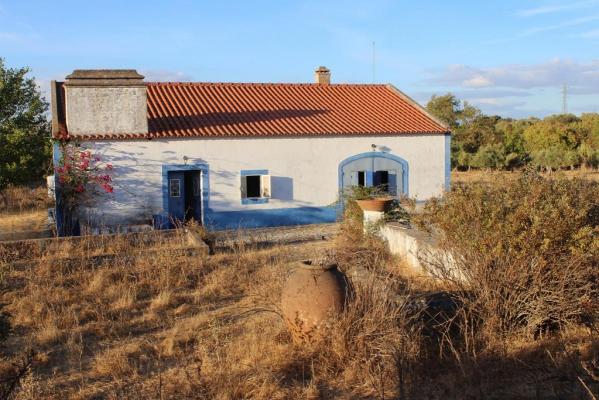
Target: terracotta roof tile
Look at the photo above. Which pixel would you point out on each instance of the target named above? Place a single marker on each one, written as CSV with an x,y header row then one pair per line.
x,y
271,109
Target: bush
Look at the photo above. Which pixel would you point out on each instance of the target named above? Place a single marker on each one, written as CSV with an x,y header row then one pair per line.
x,y
489,156
525,251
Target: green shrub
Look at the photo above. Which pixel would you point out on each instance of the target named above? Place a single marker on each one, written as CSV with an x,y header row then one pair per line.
x,y
525,252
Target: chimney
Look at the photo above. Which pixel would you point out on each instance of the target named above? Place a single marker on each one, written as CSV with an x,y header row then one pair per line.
x,y
322,76
106,101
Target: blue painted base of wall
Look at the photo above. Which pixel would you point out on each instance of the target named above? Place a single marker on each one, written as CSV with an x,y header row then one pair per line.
x,y
219,220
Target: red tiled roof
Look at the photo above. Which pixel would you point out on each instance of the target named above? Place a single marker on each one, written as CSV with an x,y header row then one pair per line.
x,y
259,109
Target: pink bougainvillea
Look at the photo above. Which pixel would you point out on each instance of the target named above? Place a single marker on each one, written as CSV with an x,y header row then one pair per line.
x,y
81,174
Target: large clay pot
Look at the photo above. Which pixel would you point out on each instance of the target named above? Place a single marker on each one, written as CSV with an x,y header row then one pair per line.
x,y
312,294
380,204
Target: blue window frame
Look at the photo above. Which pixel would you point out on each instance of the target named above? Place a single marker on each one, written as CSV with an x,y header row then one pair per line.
x,y
255,186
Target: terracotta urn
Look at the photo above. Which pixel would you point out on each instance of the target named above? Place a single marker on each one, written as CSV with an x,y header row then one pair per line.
x,y
312,293
380,204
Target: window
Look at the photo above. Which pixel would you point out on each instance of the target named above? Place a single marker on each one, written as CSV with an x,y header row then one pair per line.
x,y
174,186
255,186
381,179
361,180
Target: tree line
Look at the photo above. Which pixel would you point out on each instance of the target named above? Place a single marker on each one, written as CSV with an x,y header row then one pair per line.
x,y
483,141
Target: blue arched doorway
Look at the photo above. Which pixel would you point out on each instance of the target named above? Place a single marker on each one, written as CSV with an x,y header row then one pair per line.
x,y
375,168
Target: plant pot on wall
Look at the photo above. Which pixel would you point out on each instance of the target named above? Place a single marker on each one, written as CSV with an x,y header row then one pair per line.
x,y
381,204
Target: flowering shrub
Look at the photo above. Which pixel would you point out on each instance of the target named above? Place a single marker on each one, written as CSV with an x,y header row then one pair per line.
x,y
81,175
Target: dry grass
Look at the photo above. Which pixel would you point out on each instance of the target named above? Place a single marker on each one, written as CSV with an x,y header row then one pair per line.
x,y
488,176
109,329
150,323
23,213
23,198
21,221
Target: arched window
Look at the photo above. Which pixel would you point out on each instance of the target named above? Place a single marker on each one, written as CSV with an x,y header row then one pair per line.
x,y
375,169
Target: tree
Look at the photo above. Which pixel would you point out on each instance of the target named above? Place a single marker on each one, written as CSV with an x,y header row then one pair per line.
x,y
476,132
489,156
25,147
550,158
511,133
447,108
552,131
588,155
589,146
483,141
460,116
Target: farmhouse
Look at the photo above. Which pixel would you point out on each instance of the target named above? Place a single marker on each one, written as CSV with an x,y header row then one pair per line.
x,y
235,155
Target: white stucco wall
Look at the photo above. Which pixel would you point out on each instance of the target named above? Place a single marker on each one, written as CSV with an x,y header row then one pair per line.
x,y
310,165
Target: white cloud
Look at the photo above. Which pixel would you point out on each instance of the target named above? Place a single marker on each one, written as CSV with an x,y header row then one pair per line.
x,y
580,76
548,9
491,101
478,81
10,36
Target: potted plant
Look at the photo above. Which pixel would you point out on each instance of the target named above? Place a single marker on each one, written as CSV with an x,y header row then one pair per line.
x,y
372,198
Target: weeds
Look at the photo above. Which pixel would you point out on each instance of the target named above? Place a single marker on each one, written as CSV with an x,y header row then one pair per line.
x,y
23,198
524,256
148,322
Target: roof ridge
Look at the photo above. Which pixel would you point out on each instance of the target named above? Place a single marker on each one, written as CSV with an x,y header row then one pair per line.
x,y
159,83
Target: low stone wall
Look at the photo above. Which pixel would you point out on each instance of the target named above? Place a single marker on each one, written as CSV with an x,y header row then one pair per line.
x,y
223,240
414,246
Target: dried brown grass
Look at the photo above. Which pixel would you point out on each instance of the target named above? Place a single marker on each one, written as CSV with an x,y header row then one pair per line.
x,y
489,176
15,222
150,323
24,198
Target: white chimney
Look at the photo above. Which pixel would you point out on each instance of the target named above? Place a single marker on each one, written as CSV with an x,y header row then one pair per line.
x,y
322,76
110,101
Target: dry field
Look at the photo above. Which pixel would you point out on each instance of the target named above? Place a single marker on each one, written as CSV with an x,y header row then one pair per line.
x,y
24,225
114,318
150,323
23,213
491,175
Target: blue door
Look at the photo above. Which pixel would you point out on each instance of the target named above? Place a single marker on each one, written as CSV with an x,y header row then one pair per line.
x,y
176,195
196,195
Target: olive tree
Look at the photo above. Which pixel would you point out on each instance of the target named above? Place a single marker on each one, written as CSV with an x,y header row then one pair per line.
x,y
25,145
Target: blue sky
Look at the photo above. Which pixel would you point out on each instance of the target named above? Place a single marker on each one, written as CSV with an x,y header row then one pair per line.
x,y
508,57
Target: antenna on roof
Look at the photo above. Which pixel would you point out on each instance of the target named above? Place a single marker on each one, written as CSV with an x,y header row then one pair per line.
x,y
373,62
